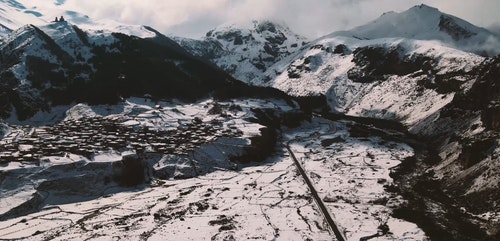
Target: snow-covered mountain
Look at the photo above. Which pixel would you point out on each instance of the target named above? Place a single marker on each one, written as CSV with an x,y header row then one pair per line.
x,y
426,74
360,71
59,62
245,50
427,23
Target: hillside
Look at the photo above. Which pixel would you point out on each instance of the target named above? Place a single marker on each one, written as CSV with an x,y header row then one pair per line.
x,y
60,63
245,50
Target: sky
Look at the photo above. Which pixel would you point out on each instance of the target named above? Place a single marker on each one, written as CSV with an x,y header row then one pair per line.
x,y
311,18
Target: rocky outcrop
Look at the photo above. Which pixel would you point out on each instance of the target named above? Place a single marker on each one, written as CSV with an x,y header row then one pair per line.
x,y
4,129
131,170
376,63
465,137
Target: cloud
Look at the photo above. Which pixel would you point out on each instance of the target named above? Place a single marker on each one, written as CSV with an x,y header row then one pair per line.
x,y
495,28
312,18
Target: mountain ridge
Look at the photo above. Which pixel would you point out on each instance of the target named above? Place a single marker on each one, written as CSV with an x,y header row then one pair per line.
x,y
59,63
423,22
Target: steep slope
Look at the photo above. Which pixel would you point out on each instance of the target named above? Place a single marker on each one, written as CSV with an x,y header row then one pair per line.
x,y
4,129
245,50
463,173
377,78
466,134
59,63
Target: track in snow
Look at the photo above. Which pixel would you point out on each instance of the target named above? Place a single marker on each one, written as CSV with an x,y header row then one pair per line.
x,y
324,210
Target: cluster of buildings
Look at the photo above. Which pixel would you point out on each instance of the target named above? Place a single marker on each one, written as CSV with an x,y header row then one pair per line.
x,y
89,136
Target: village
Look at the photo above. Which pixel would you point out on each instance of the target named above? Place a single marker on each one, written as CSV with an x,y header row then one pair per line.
x,y
91,135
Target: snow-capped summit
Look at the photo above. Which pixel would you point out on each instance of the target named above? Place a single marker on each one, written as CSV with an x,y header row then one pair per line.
x,y
14,14
239,33
247,49
427,23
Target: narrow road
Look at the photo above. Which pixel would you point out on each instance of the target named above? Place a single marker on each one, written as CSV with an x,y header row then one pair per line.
x,y
333,226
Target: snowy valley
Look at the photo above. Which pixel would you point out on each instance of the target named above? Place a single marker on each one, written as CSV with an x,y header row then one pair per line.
x,y
387,131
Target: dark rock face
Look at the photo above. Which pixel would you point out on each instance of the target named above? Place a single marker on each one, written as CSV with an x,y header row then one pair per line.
x,y
446,83
372,63
342,50
266,26
230,35
485,94
262,146
206,49
131,171
277,38
3,130
271,49
449,26
313,62
474,151
25,100
467,150
238,40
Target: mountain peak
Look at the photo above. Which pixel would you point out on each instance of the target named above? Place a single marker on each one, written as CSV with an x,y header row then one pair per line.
x,y
424,7
258,26
246,49
267,25
423,22
263,31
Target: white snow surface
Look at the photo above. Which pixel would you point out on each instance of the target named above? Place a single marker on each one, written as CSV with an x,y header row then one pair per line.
x,y
13,15
262,201
349,175
423,23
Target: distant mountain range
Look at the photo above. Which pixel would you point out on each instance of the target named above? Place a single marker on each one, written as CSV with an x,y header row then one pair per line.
x,y
257,52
